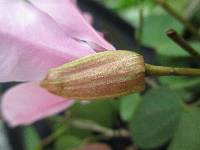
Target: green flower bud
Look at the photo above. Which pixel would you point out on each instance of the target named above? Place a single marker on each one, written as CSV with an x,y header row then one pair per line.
x,y
102,75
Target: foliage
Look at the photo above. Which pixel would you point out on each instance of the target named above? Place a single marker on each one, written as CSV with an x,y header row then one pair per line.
x,y
128,105
67,142
156,118
159,117
32,141
188,131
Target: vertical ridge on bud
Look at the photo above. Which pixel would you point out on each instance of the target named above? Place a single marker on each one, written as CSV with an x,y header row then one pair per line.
x,y
98,76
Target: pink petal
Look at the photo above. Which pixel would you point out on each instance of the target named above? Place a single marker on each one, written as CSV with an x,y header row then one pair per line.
x,y
66,13
31,42
27,102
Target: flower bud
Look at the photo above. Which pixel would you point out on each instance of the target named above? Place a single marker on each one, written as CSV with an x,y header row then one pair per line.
x,y
102,75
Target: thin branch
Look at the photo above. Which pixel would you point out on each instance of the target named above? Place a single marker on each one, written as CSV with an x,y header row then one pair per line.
x,y
192,8
196,104
92,126
132,147
85,125
53,136
180,18
140,26
151,82
167,71
172,34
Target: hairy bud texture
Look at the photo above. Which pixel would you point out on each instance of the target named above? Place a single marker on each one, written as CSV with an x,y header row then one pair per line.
x,y
102,75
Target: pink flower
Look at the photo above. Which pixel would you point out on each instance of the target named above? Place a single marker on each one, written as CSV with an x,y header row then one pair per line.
x,y
34,37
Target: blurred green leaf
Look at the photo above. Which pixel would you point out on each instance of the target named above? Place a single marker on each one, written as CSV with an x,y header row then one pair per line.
x,y
180,82
32,140
195,45
124,4
128,105
156,118
64,128
154,35
184,86
187,134
156,23
102,112
68,143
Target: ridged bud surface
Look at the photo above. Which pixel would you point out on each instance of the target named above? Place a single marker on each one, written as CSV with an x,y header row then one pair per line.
x,y
102,75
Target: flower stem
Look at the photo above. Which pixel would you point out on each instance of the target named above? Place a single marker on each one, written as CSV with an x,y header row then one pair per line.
x,y
167,71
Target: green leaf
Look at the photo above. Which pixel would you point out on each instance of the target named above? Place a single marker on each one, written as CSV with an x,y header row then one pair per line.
x,y
128,105
102,112
119,5
187,135
195,45
68,143
156,118
154,35
124,4
32,140
180,82
184,86
61,128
